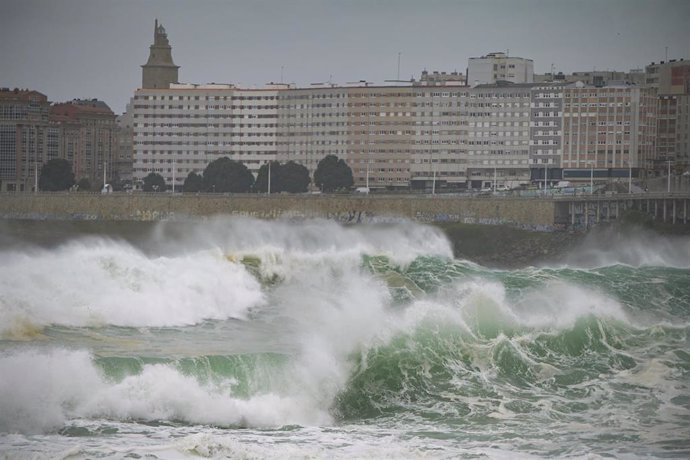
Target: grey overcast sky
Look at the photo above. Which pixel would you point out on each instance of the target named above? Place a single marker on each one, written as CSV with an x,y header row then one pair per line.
x,y
94,48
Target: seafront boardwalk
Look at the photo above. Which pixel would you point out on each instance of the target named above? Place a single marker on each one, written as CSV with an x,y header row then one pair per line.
x,y
542,213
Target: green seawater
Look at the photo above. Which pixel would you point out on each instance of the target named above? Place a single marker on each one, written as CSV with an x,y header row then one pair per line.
x,y
248,339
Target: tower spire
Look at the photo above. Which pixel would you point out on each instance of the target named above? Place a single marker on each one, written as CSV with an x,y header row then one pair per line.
x,y
160,70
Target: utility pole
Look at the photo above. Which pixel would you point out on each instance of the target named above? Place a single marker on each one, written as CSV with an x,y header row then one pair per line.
x,y
105,165
546,175
669,176
269,177
173,178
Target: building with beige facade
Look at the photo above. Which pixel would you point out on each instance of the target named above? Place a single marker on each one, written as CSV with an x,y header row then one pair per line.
x,y
86,138
671,79
612,127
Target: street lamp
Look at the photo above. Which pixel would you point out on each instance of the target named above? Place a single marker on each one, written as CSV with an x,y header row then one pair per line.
x,y
591,177
629,176
669,176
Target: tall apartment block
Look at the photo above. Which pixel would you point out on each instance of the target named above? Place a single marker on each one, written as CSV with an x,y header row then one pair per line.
x,y
546,132
672,81
495,67
609,127
183,128
25,138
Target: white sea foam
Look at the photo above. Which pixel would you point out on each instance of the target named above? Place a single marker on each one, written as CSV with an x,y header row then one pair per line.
x,y
635,247
41,390
96,282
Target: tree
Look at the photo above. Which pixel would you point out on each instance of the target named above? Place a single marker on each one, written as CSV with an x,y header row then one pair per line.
x,y
84,185
332,174
56,175
261,184
193,183
154,183
226,175
294,178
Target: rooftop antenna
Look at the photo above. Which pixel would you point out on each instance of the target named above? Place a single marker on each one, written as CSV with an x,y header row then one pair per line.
x,y
398,65
282,67
666,47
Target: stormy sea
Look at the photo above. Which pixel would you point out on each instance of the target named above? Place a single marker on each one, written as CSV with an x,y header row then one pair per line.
x,y
240,338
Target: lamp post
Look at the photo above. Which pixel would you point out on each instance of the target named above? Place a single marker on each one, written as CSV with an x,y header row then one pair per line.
x,y
669,176
591,177
269,177
433,183
629,177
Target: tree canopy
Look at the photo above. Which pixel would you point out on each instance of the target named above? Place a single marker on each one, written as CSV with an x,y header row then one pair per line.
x,y
293,178
333,174
154,182
193,183
84,185
225,175
56,175
289,177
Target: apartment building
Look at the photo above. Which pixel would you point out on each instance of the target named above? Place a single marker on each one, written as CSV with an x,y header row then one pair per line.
x,y
183,128
671,79
25,137
496,119
86,137
597,78
496,67
546,132
607,128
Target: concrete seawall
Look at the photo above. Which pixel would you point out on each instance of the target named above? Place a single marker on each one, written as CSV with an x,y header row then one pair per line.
x,y
535,214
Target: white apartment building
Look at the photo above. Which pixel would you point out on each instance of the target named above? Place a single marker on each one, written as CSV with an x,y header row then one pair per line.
x,y
496,67
183,128
497,123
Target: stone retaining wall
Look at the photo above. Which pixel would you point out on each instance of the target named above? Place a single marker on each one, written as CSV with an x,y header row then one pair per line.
x,y
536,214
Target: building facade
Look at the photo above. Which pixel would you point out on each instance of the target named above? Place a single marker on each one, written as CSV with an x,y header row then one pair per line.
x,y
183,128
607,128
25,138
86,138
546,133
672,81
496,67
